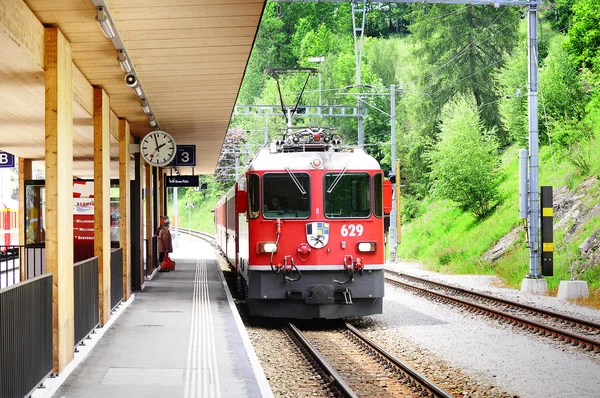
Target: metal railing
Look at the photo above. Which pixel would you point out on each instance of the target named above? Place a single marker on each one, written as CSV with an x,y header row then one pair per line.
x,y
25,336
116,277
85,295
15,257
10,264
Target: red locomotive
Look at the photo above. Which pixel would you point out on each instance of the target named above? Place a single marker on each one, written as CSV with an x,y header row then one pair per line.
x,y
304,229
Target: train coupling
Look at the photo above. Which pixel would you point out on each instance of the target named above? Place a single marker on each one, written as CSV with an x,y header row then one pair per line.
x,y
347,296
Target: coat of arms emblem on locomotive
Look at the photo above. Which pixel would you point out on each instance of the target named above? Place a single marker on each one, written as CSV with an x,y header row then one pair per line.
x,y
317,234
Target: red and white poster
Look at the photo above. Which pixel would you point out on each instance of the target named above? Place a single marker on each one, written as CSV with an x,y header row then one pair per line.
x,y
83,211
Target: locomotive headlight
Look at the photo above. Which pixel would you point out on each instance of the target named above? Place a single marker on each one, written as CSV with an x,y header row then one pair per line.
x,y
367,246
316,163
267,247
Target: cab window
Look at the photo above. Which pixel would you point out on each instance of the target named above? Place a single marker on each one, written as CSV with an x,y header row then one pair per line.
x,y
378,195
253,195
347,195
286,195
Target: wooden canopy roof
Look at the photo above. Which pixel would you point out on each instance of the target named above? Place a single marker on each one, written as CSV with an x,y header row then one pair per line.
x,y
189,55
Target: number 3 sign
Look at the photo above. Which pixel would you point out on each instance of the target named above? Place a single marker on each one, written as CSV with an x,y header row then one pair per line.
x,y
186,155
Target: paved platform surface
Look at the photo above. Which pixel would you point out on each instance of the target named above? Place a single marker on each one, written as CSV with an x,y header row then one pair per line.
x,y
179,338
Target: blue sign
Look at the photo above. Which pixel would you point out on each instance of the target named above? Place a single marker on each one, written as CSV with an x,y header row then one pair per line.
x,y
186,155
7,160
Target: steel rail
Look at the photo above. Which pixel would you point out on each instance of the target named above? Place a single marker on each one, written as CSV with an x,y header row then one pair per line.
x,y
535,310
344,389
547,330
409,371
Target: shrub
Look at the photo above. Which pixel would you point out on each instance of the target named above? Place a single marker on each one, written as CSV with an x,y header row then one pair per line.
x,y
464,162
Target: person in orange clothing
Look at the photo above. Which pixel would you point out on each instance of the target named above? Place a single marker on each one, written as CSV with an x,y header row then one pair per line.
x,y
164,240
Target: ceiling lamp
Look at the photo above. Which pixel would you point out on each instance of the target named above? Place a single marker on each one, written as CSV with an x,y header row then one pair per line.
x,y
145,106
105,24
152,120
124,61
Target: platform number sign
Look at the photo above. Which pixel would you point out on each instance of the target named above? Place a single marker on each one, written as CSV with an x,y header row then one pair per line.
x,y
186,155
6,160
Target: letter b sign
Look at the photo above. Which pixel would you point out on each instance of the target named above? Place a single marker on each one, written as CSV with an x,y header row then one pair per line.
x,y
6,160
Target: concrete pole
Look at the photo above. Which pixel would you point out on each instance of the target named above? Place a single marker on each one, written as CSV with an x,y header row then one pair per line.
x,y
266,134
319,87
361,128
393,233
534,203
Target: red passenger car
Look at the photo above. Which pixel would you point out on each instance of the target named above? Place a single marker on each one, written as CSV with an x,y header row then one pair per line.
x,y
304,229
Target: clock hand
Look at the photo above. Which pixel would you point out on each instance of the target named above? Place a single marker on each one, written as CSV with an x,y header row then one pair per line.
x,y
156,140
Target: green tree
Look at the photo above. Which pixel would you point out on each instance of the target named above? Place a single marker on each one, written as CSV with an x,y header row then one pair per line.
x,y
464,161
459,50
511,86
561,89
584,35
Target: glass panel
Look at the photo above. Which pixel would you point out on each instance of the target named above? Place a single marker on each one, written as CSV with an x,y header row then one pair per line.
x,y
253,195
35,208
350,196
282,198
115,214
378,194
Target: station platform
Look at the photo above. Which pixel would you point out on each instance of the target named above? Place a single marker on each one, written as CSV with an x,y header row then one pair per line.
x,y
180,337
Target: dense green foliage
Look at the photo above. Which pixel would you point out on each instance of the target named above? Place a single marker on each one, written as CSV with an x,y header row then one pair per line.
x,y
464,161
461,77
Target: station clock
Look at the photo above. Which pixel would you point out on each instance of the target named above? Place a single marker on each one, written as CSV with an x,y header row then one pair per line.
x,y
158,148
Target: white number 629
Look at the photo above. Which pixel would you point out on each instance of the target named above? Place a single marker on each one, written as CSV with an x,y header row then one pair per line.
x,y
352,230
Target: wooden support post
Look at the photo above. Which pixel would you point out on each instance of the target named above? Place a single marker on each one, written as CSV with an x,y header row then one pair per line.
x,y
149,232
102,199
59,191
25,173
124,207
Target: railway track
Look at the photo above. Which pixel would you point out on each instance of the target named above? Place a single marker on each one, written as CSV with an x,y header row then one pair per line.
x,y
183,232
577,332
355,366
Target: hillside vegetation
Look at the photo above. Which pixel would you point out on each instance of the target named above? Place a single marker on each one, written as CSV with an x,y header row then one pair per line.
x,y
461,109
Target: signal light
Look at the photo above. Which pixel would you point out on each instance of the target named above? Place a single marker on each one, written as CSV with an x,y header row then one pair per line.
x,y
366,246
267,247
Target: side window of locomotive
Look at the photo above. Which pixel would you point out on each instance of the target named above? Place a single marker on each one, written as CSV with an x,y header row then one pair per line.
x,y
285,195
378,194
254,195
348,195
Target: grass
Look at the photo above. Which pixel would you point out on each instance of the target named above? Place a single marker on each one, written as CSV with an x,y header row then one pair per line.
x,y
199,218
449,240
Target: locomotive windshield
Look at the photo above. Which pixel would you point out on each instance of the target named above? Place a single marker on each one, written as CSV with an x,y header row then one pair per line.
x,y
350,196
285,195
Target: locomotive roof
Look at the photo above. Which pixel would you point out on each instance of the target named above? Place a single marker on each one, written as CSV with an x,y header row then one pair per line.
x,y
355,159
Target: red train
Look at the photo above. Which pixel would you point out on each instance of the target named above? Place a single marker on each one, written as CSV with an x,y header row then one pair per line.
x,y
9,227
304,229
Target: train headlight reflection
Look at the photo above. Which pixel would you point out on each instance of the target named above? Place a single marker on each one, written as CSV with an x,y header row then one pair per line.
x,y
367,246
316,163
267,247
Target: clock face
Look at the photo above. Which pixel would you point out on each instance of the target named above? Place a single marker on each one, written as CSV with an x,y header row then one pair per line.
x,y
158,148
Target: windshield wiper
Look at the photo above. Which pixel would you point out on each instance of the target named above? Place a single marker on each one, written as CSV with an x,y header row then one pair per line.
x,y
337,179
302,191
